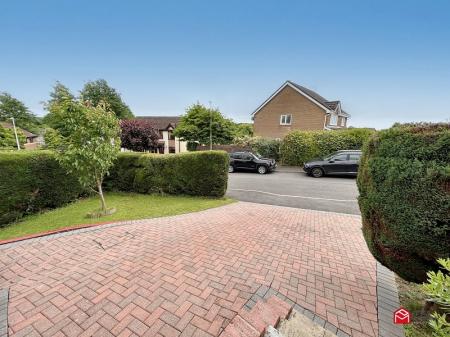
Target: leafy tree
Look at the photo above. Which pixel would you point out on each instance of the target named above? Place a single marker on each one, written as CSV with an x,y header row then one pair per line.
x,y
8,138
59,94
90,144
12,107
99,91
243,130
138,135
194,126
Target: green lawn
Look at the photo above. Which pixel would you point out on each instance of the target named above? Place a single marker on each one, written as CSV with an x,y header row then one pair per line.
x,y
129,206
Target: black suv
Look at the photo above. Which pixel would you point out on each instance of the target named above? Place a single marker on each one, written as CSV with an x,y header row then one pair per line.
x,y
344,162
250,161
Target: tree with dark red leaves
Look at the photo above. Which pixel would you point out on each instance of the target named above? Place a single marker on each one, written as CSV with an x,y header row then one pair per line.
x,y
138,135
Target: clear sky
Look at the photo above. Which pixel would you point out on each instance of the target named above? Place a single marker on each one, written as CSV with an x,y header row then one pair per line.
x,y
386,61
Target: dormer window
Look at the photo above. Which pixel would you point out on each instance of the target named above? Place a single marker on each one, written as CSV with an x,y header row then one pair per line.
x,y
333,119
285,119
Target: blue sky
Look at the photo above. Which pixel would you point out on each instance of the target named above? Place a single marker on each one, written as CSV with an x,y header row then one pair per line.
x,y
386,61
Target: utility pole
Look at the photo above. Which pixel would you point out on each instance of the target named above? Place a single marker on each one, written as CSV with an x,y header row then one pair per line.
x,y
15,133
210,126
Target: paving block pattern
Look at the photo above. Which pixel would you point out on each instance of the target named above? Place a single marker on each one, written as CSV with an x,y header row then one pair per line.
x,y
388,303
190,275
253,323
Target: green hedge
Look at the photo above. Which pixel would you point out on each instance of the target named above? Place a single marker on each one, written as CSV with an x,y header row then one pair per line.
x,y
299,147
202,173
32,181
268,148
404,185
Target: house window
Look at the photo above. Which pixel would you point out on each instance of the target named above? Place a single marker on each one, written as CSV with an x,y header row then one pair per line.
x,y
285,119
333,119
342,121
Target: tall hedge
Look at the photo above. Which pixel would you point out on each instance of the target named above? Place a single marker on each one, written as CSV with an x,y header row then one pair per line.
x,y
299,147
404,186
202,173
32,181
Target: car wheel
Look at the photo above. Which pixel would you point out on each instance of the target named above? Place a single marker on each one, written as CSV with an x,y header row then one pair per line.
x,y
230,169
317,172
262,169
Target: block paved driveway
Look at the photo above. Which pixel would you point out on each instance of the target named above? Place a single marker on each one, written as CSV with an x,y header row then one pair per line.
x,y
188,275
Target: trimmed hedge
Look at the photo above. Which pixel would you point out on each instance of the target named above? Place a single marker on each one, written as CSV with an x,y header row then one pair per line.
x,y
299,147
203,173
32,181
404,186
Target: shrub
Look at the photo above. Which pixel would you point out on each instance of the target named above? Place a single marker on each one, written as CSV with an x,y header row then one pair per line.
x,y
202,173
404,185
438,291
299,147
33,181
269,148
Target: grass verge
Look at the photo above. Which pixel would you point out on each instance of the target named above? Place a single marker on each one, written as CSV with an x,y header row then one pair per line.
x,y
130,206
413,299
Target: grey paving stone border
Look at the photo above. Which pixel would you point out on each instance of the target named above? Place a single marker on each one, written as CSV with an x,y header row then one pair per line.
x,y
4,296
388,302
264,292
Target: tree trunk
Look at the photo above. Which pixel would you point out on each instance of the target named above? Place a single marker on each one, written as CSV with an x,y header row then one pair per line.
x,y
100,192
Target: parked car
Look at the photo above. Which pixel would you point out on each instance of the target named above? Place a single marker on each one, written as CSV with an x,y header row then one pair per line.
x,y
344,162
251,162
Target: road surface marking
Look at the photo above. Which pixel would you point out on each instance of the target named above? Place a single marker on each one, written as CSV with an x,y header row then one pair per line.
x,y
293,196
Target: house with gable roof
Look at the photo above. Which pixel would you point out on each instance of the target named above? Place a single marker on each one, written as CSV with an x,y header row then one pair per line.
x,y
294,107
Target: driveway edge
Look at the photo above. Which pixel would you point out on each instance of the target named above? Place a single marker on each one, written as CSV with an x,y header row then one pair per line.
x,y
4,296
388,302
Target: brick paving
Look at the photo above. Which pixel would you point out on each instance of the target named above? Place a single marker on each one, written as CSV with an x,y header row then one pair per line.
x,y
189,275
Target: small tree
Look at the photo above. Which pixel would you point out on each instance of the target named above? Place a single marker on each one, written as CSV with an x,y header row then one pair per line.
x,y
12,107
59,94
90,144
138,135
99,91
200,121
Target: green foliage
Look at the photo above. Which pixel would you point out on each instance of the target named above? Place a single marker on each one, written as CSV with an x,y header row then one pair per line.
x,y
98,92
58,96
268,148
438,287
299,147
194,126
8,138
242,130
440,326
202,173
438,291
12,107
89,145
33,181
403,182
